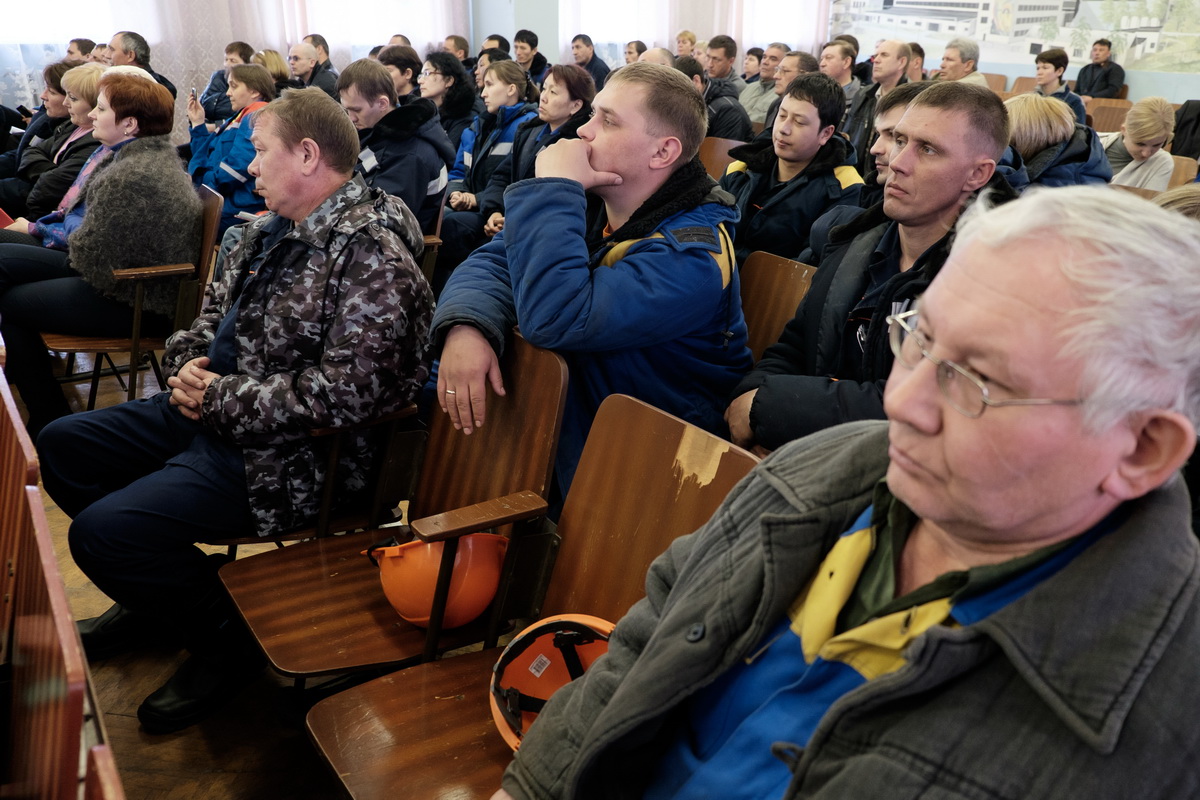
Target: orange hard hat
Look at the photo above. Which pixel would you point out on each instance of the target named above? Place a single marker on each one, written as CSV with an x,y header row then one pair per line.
x,y
541,659
409,573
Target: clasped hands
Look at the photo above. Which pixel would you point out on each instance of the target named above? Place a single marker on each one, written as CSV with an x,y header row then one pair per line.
x,y
188,386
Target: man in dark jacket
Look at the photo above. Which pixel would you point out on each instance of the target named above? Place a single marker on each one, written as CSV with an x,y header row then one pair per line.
x,y
833,357
405,150
525,53
727,119
888,113
320,320
131,49
782,186
302,60
1101,78
888,68
216,104
584,53
636,286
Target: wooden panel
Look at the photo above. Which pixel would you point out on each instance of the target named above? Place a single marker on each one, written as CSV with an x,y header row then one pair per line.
x,y
1149,194
48,674
317,607
714,153
18,469
1109,102
102,781
772,288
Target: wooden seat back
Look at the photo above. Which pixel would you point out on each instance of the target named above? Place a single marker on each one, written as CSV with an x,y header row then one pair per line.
x,y
1024,84
772,288
1149,194
1110,102
714,153
513,450
18,470
997,82
1107,119
1184,172
101,782
48,673
645,478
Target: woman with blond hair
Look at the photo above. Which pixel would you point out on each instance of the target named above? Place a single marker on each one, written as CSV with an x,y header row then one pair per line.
x,y
1136,153
277,66
1056,150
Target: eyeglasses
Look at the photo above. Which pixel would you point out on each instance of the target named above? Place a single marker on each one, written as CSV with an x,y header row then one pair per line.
x,y
964,390
425,73
293,58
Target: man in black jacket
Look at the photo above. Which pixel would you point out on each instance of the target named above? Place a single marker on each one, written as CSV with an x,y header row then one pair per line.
x,y
830,364
785,183
727,119
1101,78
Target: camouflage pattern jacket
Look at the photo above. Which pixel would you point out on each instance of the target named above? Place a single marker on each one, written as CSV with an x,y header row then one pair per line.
x,y
338,335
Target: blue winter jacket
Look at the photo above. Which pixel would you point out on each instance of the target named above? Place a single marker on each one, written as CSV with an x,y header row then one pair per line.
x,y
657,317
485,144
221,160
1078,161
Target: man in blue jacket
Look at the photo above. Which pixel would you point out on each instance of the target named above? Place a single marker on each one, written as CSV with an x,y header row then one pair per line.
x,y
619,256
784,184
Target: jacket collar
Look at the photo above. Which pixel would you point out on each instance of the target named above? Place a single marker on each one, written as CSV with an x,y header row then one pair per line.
x,y
1084,640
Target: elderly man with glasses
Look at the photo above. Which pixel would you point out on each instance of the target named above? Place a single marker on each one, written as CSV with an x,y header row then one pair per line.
x,y
994,593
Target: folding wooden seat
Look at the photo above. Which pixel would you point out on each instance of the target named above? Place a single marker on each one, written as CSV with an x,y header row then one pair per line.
x,y
18,470
772,288
644,479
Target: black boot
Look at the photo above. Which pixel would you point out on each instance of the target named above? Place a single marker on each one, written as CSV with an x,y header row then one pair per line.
x,y
119,630
224,660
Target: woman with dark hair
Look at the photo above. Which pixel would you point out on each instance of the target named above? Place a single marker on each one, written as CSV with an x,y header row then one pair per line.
x,y
403,64
131,206
444,81
509,97
221,160
565,105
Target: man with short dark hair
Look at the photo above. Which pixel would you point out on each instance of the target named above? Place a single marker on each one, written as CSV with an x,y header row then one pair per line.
x,y
302,60
405,151
497,41
213,98
888,68
1101,78
525,52
460,48
830,363
321,45
638,291
320,320
783,185
916,608
888,113
722,62
794,64
658,55
837,61
726,117
585,56
916,67
80,49
129,48
633,50
759,96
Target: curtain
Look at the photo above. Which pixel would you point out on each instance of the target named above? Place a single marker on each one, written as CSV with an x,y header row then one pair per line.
x,y
188,37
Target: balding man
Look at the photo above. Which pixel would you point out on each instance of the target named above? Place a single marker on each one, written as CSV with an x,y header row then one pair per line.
x,y
888,69
131,49
658,55
302,60
994,593
320,320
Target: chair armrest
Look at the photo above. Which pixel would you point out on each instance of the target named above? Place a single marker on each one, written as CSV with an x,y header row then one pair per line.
x,y
408,411
479,517
163,271
431,240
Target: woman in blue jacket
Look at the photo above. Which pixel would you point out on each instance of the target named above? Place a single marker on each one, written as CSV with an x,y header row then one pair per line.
x,y
510,99
220,158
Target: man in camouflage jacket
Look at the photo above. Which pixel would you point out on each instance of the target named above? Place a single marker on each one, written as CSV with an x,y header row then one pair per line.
x,y
320,319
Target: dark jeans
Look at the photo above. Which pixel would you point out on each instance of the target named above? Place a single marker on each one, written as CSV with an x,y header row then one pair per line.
x,y
39,292
143,484
462,232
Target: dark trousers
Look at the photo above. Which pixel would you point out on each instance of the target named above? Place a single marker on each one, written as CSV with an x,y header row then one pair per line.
x,y
143,484
462,232
39,292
